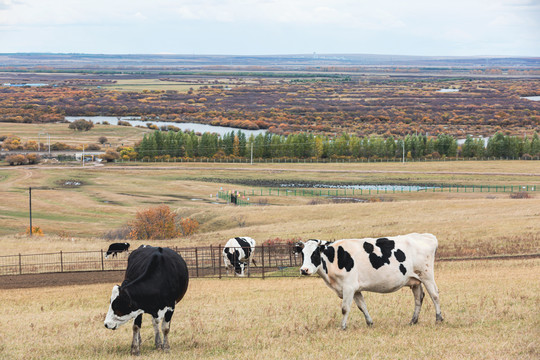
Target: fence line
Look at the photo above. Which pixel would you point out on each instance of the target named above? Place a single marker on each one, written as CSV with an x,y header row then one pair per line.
x,y
242,197
276,260
273,260
338,160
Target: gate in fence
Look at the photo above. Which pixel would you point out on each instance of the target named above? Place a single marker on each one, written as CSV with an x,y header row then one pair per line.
x,y
272,261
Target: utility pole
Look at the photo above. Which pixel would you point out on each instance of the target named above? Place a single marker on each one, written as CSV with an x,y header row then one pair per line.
x,y
403,143
251,153
30,201
83,156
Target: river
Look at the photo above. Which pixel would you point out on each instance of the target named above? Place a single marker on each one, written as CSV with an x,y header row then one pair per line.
x,y
135,121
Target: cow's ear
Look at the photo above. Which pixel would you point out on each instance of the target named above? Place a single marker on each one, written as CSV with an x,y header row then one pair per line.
x,y
298,247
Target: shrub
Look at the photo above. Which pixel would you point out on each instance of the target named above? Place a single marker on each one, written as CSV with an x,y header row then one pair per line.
x,y
102,140
93,147
16,159
36,230
110,155
124,123
122,233
154,224
12,142
81,125
33,158
188,226
520,195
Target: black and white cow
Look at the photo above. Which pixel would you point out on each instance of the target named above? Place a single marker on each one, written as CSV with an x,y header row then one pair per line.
x,y
155,280
116,248
382,265
238,253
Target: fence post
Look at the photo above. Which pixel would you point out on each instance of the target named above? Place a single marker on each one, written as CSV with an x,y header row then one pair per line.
x,y
213,260
102,263
197,262
290,258
20,264
219,266
262,256
61,262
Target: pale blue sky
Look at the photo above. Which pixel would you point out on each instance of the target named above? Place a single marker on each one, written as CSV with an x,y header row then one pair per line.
x,y
264,27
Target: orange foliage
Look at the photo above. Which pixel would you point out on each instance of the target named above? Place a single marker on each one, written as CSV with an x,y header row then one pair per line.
x,y
154,224
160,223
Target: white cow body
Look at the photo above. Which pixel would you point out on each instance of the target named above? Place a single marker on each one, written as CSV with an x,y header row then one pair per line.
x,y
383,265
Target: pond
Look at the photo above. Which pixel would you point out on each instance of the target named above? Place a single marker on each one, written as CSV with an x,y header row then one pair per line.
x,y
447,90
533,98
136,121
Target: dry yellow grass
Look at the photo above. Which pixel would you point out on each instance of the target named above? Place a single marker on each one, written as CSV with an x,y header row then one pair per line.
x,y
116,135
490,310
76,218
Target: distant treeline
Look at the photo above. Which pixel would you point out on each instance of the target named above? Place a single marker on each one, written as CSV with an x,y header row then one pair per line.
x,y
171,144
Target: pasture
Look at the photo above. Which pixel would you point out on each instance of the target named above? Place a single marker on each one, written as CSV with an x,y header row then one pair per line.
x,y
76,217
59,132
489,309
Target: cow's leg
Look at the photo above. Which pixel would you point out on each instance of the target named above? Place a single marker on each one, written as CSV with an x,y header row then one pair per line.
x,y
348,295
359,299
157,337
433,292
166,326
418,299
136,343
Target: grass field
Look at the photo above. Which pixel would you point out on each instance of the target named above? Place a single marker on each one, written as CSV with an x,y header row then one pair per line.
x,y
490,311
466,223
116,135
151,84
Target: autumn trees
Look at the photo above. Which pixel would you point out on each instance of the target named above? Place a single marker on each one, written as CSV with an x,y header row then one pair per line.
x,y
386,107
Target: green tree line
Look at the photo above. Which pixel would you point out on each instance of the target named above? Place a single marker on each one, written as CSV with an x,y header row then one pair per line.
x,y
171,144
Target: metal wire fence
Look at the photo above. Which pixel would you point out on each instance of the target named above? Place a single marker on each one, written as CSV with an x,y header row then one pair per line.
x,y
271,261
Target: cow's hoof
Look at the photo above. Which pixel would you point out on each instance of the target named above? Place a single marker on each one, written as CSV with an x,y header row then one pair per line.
x,y
439,318
135,352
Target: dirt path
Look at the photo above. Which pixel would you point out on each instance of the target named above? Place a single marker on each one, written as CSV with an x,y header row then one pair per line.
x,y
60,279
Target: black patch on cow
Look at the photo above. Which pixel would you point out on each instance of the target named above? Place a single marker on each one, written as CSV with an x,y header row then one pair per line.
x,y
368,247
324,266
386,247
344,259
330,253
122,304
138,321
316,258
168,315
245,246
402,269
400,255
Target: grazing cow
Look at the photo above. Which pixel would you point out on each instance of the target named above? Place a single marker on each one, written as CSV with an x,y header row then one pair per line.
x,y
238,253
116,248
156,279
382,265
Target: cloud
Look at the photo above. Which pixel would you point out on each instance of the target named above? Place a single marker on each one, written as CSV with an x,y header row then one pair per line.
x,y
382,26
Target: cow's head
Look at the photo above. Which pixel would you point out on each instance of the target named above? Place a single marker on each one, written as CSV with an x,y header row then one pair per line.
x,y
311,255
121,309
